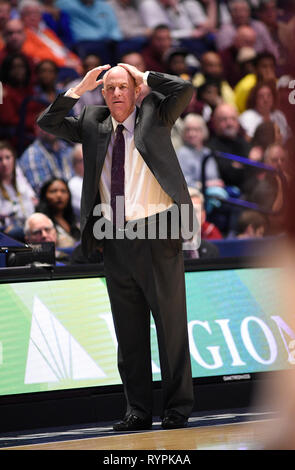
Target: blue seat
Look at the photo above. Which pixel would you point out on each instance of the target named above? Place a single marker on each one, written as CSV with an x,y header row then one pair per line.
x,y
244,247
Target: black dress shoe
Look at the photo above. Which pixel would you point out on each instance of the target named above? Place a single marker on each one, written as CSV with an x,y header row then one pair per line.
x,y
133,423
174,420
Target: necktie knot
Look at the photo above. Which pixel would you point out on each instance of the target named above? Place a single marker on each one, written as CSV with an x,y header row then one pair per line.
x,y
119,129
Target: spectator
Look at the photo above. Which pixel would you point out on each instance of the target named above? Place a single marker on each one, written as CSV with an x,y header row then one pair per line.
x,y
5,10
268,192
75,183
251,224
208,230
46,81
158,45
269,14
91,20
15,76
42,42
55,202
176,64
262,108
265,71
212,68
13,37
245,37
129,19
57,20
93,97
185,19
17,198
192,154
226,137
265,134
45,158
202,248
39,228
208,96
241,15
276,156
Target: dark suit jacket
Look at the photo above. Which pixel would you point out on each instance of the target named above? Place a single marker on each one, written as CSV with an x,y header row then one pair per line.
x,y
158,112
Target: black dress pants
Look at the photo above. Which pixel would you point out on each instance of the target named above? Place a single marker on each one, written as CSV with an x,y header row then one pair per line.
x,y
144,276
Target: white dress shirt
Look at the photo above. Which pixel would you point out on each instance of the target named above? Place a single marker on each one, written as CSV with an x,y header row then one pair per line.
x,y
143,194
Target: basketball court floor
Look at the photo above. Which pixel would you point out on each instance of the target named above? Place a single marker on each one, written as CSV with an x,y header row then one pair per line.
x,y
228,430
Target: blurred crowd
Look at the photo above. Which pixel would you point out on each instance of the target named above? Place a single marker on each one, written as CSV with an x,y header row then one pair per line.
x,y
234,141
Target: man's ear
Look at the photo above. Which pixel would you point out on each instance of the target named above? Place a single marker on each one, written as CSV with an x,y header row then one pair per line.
x,y
137,90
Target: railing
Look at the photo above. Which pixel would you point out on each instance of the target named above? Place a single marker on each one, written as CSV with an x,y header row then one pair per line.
x,y
241,202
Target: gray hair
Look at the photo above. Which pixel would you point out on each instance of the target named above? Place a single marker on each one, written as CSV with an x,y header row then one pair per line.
x,y
195,192
201,122
28,3
35,215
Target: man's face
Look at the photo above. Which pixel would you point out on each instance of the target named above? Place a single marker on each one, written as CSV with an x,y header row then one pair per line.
x,y
269,13
264,100
31,17
277,158
226,121
120,93
212,65
266,69
42,230
193,133
240,13
14,35
161,41
4,14
246,37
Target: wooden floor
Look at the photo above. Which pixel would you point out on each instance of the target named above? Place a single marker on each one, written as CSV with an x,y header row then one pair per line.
x,y
240,436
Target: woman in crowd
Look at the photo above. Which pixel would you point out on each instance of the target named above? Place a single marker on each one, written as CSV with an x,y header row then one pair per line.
x,y
193,152
17,198
261,107
46,81
55,202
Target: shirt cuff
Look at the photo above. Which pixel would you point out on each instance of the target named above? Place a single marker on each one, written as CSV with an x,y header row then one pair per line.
x,y
145,77
71,94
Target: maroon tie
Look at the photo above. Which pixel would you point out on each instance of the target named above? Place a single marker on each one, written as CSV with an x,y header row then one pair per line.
x,y
117,178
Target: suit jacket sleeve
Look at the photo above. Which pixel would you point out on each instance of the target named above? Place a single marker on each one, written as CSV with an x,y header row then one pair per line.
x,y
177,95
54,120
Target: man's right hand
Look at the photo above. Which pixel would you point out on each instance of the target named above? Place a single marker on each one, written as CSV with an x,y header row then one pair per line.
x,y
90,81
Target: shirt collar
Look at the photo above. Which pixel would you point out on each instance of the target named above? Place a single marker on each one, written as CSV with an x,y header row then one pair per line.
x,y
129,123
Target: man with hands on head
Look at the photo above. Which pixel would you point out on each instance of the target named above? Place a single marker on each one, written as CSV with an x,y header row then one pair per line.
x,y
143,274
